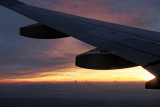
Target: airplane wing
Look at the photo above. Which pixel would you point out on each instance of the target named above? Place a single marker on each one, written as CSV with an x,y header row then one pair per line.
x,y
132,46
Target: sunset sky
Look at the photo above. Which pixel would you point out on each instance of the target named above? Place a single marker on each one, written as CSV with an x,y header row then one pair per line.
x,y
42,73
31,60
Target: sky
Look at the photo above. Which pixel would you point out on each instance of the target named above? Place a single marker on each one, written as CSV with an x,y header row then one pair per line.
x,y
30,60
42,73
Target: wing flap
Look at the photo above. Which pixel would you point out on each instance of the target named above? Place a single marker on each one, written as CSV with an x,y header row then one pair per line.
x,y
143,45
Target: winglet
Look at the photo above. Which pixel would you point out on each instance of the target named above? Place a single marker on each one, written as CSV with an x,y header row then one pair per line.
x,y
9,3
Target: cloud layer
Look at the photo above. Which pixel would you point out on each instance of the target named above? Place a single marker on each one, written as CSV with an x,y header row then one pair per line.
x,y
78,94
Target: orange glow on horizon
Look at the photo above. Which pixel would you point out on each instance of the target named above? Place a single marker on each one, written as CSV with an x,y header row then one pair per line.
x,y
123,75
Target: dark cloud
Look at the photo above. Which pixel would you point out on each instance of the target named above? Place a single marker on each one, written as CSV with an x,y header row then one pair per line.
x,y
20,56
78,94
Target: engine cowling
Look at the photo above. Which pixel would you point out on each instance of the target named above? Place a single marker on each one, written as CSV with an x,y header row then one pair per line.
x,y
101,60
40,31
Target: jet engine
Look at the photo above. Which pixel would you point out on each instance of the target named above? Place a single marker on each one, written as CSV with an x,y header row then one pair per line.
x,y
40,31
102,60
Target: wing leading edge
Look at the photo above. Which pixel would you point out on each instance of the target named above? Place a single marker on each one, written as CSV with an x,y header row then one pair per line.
x,y
136,45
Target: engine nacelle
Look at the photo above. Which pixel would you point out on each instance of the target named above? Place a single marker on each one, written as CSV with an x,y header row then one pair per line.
x,y
102,61
40,31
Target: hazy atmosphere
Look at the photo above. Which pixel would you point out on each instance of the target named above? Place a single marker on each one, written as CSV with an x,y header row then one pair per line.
x,y
78,95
